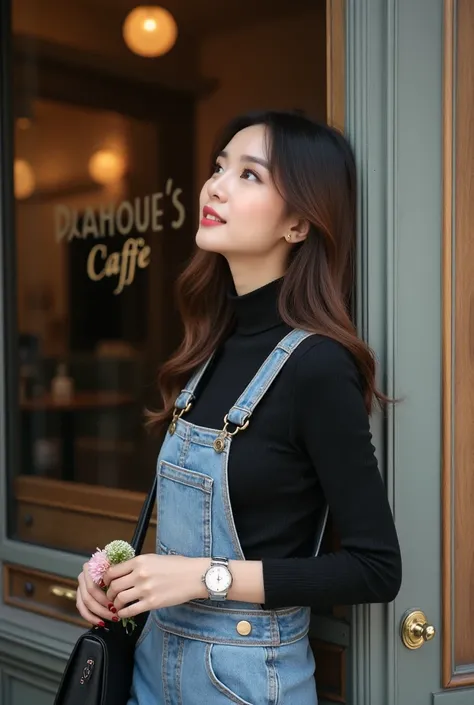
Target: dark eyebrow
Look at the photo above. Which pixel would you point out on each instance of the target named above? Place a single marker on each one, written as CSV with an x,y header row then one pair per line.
x,y
248,158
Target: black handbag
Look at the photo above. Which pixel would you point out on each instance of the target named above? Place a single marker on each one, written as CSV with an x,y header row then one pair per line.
x,y
100,668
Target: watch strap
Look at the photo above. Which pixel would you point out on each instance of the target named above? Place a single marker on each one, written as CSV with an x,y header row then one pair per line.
x,y
220,561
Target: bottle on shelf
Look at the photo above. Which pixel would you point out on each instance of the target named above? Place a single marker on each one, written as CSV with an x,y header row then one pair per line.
x,y
62,385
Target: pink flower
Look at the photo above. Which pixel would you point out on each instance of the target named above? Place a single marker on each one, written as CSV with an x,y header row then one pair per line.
x,y
98,566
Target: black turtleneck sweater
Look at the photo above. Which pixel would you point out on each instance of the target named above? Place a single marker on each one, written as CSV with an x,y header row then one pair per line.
x,y
308,442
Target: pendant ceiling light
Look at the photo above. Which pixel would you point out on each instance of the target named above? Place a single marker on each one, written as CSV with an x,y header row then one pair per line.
x,y
107,166
150,31
24,179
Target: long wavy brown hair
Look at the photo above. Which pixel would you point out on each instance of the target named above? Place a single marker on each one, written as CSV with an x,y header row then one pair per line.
x,y
313,167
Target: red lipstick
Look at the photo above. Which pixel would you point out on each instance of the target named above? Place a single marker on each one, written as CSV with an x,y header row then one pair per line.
x,y
214,218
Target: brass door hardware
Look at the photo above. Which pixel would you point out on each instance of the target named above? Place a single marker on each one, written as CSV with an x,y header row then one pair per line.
x,y
415,630
60,591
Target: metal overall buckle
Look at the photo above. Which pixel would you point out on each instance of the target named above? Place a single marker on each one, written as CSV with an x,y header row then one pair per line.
x,y
219,443
177,415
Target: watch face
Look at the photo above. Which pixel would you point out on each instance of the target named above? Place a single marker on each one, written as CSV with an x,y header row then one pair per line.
x,y
218,578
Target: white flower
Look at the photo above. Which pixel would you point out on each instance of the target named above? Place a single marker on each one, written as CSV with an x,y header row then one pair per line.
x,y
119,551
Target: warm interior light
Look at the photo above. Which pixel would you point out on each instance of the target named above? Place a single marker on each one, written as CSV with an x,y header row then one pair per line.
x,y
24,123
24,179
150,31
107,166
149,25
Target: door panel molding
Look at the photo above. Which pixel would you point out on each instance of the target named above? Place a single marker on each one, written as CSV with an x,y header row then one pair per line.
x,y
458,345
448,101
370,115
457,697
393,118
15,685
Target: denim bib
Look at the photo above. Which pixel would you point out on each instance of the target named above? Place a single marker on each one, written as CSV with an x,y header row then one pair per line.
x,y
206,652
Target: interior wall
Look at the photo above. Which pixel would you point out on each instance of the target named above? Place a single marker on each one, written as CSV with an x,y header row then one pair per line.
x,y
276,63
95,29
58,146
279,63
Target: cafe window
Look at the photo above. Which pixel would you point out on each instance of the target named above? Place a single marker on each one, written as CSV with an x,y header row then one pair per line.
x,y
111,123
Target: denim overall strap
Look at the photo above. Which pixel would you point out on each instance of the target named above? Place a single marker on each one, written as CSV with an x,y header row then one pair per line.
x,y
187,395
253,394
255,391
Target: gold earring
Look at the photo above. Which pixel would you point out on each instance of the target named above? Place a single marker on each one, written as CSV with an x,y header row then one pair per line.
x,y
288,237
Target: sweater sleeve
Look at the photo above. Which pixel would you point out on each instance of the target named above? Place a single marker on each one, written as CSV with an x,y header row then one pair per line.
x,y
331,425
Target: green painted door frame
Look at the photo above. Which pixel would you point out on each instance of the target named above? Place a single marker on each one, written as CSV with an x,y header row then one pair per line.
x,y
394,118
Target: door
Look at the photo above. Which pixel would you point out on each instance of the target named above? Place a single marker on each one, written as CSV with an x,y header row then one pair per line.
x,y
433,618
410,117
457,637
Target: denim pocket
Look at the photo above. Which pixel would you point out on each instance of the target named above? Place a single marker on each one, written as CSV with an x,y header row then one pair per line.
x,y
163,550
233,668
184,500
145,631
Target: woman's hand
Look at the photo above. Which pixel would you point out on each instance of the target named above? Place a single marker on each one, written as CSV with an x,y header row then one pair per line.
x,y
151,582
91,600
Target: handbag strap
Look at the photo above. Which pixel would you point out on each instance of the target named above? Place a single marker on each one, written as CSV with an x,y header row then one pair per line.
x,y
144,519
320,530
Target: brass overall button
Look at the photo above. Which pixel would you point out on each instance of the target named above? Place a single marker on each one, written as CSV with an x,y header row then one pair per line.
x,y
244,628
219,444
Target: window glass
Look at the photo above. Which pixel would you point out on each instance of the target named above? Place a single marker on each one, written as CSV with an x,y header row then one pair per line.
x,y
111,146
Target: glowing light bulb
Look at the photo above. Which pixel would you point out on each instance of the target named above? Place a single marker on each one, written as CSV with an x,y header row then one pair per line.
x,y
24,179
24,123
150,31
107,166
149,25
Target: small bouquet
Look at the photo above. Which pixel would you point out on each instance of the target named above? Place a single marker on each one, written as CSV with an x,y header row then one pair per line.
x,y
115,552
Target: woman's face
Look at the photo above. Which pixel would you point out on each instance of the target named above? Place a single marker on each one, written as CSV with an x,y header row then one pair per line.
x,y
241,211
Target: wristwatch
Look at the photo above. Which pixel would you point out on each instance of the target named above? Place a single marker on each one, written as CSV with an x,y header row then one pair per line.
x,y
218,579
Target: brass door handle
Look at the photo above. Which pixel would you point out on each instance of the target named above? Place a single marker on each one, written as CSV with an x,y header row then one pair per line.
x,y
415,630
66,593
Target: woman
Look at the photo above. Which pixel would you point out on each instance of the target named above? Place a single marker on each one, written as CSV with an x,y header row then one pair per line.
x,y
262,435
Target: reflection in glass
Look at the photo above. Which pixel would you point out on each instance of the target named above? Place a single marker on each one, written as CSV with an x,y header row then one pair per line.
x,y
111,149
150,31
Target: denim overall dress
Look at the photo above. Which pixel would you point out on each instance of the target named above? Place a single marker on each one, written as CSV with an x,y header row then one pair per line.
x,y
206,652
